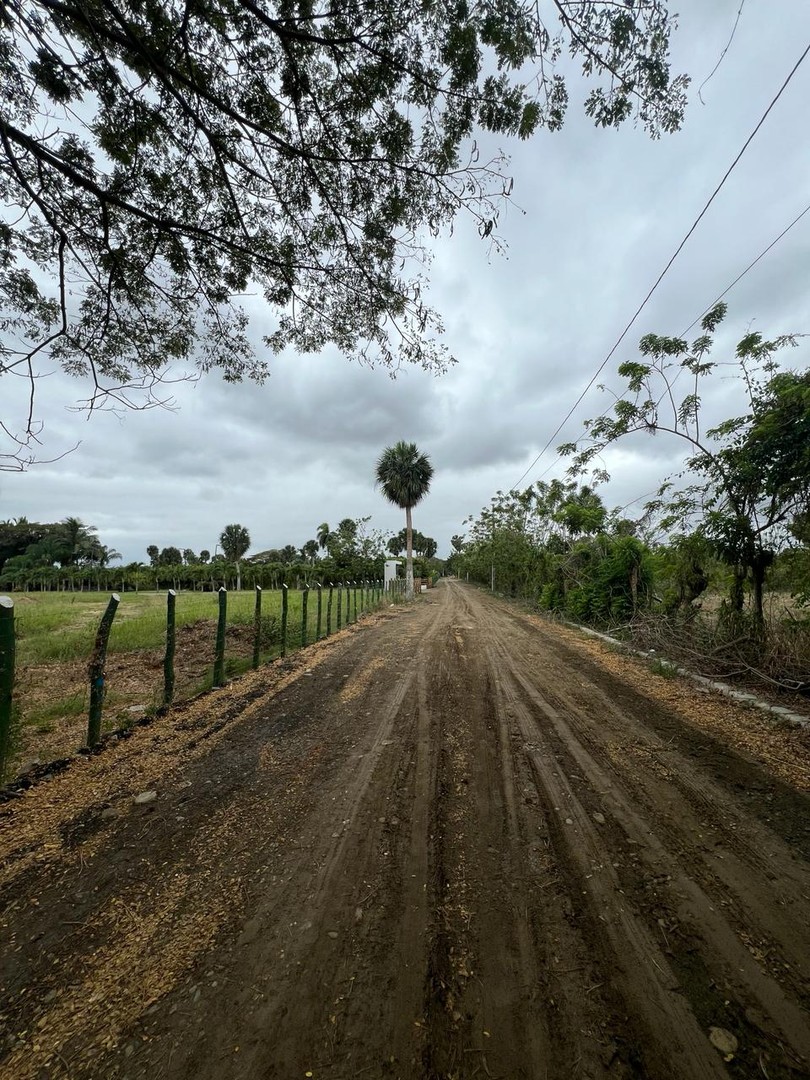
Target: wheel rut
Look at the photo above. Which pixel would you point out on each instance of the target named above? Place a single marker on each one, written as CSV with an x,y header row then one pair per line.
x,y
443,846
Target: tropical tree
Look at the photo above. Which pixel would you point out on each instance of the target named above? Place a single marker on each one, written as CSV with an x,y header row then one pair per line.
x,y
205,555
235,541
100,555
749,476
289,553
153,551
404,474
170,556
323,536
78,539
325,141
310,551
424,546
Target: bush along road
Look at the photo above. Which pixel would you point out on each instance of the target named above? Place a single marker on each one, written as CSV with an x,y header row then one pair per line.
x,y
455,844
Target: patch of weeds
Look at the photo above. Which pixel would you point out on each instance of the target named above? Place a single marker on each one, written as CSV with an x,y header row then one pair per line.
x,y
44,720
663,668
270,631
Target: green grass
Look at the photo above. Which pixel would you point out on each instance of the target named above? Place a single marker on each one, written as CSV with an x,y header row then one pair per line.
x,y
55,634
57,627
663,668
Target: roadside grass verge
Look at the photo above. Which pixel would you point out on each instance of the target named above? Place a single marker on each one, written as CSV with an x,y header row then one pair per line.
x,y
55,634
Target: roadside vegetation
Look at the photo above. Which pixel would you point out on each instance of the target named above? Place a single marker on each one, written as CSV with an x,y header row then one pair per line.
x,y
67,556
715,573
55,632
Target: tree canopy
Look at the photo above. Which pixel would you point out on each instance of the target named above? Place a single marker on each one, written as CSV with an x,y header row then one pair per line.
x,y
747,478
425,546
404,474
159,159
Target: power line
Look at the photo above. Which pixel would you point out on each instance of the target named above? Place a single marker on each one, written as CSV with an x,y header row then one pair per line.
x,y
672,259
722,54
750,266
716,300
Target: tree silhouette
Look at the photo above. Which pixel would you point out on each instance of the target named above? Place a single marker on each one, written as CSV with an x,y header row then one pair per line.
x,y
404,474
235,541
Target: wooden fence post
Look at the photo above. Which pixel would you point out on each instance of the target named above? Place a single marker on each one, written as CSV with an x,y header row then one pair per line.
x,y
168,659
354,597
219,648
340,603
257,628
284,595
95,671
7,650
320,607
329,609
304,605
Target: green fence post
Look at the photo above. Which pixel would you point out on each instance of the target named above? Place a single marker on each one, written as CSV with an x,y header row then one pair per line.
x,y
257,627
329,609
320,607
304,605
284,620
219,648
95,671
168,659
7,649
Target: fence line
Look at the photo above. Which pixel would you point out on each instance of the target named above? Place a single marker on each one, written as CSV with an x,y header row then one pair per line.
x,y
7,650
269,639
97,673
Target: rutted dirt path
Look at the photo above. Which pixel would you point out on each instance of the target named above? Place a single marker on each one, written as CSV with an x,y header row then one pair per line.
x,y
446,846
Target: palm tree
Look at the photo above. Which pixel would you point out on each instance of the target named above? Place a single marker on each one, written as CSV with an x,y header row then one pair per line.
x,y
404,474
78,540
310,551
323,535
235,541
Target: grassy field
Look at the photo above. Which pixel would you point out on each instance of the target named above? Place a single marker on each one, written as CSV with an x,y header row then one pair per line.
x,y
55,634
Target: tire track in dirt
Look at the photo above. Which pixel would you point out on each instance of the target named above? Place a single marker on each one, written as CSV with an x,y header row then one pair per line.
x,y
695,813
735,860
335,996
724,953
451,849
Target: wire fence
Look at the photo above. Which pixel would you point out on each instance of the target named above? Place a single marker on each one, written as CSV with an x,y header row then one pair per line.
x,y
59,661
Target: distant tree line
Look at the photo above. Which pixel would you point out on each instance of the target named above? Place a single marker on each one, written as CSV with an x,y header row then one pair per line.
x,y
68,556
42,553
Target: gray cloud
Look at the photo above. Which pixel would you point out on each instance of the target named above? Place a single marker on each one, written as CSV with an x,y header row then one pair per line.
x,y
604,210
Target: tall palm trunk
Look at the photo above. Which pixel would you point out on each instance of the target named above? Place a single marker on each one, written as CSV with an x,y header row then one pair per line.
x,y
408,555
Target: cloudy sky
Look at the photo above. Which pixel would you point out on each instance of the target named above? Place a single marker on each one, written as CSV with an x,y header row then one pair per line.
x,y
602,213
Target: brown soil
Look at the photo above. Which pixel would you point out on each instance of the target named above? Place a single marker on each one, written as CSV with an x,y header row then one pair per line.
x,y
135,685
449,843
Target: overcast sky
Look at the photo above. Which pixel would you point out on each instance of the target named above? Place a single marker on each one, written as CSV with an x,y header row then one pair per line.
x,y
604,211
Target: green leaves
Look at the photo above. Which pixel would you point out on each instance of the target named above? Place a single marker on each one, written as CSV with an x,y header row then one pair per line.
x,y
750,474
162,158
404,474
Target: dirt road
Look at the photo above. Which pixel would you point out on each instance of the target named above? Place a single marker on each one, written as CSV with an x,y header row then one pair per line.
x,y
446,845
